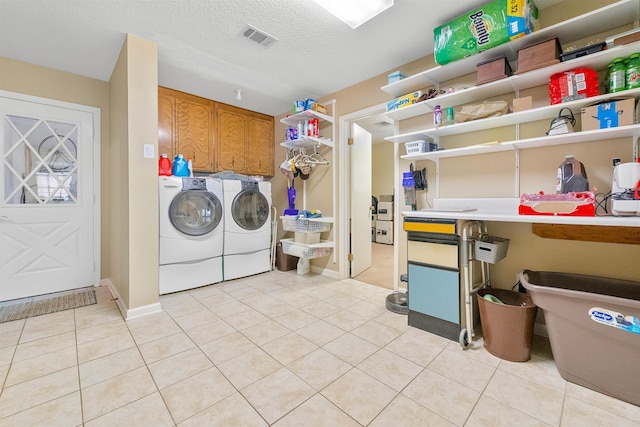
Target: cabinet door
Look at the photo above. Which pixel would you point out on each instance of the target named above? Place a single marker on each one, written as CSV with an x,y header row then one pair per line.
x,y
260,141
435,292
194,137
230,139
166,123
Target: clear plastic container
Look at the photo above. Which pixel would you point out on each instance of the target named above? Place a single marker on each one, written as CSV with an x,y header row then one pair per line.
x,y
572,177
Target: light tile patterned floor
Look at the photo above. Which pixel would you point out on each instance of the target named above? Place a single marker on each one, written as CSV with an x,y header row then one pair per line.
x,y
275,349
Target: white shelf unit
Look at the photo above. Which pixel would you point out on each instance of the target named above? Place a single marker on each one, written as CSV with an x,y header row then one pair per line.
x,y
311,225
307,141
594,22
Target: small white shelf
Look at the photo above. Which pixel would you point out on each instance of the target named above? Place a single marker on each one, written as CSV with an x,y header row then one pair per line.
x,y
307,142
594,22
303,116
301,250
543,141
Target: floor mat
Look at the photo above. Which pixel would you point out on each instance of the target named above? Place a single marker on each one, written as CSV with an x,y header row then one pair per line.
x,y
45,304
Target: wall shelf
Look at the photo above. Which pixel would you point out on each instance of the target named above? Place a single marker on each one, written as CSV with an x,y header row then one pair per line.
x,y
594,22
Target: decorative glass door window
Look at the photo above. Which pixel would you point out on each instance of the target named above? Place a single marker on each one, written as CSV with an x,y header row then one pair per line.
x,y
40,161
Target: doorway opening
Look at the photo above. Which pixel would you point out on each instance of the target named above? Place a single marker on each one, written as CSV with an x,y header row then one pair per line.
x,y
374,247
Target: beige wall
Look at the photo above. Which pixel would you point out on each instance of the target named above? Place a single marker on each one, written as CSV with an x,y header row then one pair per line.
x,y
382,173
22,77
134,205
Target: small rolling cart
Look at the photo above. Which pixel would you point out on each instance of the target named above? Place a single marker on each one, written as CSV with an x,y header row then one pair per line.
x,y
478,251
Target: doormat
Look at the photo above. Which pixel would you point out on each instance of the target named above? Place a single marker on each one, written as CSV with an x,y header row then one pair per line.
x,y
45,304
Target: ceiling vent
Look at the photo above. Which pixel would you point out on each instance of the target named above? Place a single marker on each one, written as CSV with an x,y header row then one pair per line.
x,y
258,36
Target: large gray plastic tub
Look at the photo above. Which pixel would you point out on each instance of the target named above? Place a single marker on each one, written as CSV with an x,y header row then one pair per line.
x,y
594,329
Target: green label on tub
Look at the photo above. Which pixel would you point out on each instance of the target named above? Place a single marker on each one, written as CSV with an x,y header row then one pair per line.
x,y
615,319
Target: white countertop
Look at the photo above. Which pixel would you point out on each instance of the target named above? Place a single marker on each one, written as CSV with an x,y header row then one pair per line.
x,y
506,210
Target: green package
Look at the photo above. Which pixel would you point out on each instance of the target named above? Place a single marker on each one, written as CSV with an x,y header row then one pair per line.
x,y
482,28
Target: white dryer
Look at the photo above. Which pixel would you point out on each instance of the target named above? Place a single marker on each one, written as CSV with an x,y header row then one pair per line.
x,y
191,232
247,227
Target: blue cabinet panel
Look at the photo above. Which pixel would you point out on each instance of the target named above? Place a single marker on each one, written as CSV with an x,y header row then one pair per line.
x,y
434,291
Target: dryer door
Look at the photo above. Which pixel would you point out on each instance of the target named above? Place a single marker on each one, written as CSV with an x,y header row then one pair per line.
x,y
250,208
195,212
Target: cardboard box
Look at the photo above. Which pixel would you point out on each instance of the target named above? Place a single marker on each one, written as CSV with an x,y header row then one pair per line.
x,y
395,77
404,100
386,198
492,70
539,55
610,114
484,27
522,104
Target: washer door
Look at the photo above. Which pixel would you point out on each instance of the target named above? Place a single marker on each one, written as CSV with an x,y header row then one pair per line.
x,y
195,212
250,209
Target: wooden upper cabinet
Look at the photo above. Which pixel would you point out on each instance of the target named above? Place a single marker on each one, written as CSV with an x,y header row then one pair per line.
x,y
186,126
217,137
245,141
260,146
231,139
166,123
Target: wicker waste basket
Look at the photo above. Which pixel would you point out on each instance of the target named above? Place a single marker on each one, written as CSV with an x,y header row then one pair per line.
x,y
507,327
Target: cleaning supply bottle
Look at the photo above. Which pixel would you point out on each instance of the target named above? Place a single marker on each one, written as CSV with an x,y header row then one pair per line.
x,y
164,165
437,116
190,166
180,167
571,176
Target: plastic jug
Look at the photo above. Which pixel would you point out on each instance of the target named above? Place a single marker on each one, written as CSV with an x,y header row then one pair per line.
x,y
571,176
164,165
180,166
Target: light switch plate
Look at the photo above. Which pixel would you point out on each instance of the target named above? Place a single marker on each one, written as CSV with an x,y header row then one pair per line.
x,y
149,152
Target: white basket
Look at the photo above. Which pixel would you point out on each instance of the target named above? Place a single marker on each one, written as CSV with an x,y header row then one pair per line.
x,y
491,249
290,247
306,225
420,146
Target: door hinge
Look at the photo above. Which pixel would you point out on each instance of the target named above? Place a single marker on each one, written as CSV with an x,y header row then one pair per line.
x,y
349,141
350,257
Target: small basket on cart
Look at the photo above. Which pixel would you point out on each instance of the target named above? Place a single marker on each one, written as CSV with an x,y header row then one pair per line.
x,y
491,249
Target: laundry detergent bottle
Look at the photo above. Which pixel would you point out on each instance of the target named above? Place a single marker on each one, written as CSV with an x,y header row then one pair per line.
x,y
180,166
571,176
164,165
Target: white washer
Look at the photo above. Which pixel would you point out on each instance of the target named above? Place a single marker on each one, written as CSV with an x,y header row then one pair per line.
x,y
191,232
247,228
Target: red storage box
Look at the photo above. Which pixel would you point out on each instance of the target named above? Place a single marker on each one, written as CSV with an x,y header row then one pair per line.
x,y
575,84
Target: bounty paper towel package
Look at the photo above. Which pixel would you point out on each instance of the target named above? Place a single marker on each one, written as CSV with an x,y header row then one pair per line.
x,y
482,28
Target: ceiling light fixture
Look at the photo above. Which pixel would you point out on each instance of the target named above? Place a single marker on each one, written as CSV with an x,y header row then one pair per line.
x,y
239,94
355,12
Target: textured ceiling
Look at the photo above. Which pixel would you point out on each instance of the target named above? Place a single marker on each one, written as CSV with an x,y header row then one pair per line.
x,y
201,52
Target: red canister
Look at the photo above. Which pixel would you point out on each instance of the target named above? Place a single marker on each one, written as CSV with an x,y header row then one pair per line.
x,y
575,84
164,165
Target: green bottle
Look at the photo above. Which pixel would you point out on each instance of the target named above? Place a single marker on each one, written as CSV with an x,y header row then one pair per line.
x,y
617,75
633,71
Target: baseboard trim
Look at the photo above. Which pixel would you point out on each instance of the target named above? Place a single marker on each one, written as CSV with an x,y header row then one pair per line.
x,y
541,330
127,313
325,272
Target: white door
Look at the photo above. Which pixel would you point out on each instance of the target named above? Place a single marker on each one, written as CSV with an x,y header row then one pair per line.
x,y
47,217
360,200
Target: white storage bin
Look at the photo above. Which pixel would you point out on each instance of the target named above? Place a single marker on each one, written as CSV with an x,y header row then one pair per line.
x,y
384,232
307,225
290,247
420,146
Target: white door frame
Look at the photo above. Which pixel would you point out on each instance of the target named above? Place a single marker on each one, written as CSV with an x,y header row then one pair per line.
x,y
95,113
344,154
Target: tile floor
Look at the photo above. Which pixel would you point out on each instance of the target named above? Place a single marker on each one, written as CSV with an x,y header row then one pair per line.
x,y
275,349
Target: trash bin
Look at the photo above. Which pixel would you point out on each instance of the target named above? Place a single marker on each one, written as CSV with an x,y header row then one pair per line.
x,y
507,325
285,262
593,327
